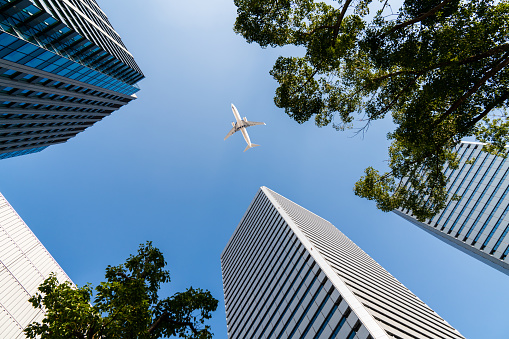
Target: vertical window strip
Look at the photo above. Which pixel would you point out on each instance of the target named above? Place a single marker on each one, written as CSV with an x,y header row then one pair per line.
x,y
230,251
303,315
460,185
494,229
495,248
244,234
273,233
280,274
252,289
264,285
354,330
327,298
284,297
296,307
486,188
340,324
492,213
327,319
472,226
464,192
458,149
245,239
504,255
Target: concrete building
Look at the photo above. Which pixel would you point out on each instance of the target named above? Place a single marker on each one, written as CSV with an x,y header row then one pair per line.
x,y
24,265
62,68
477,223
287,273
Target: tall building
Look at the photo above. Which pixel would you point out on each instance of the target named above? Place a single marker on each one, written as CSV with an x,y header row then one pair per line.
x,y
62,68
24,265
477,223
287,273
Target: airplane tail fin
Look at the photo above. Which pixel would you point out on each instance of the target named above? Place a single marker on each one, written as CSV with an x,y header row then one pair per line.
x,y
250,146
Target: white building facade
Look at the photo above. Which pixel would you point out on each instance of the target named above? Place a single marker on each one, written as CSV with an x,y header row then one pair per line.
x,y
24,265
288,273
477,223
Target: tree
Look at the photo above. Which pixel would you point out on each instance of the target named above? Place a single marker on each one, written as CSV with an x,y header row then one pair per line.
x,y
439,67
125,306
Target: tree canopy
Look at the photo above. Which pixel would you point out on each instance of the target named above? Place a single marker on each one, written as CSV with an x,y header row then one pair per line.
x,y
126,306
438,67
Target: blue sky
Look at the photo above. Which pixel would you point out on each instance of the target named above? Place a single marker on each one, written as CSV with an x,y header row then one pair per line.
x,y
158,169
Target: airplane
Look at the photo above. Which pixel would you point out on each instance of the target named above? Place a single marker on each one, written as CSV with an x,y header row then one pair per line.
x,y
241,125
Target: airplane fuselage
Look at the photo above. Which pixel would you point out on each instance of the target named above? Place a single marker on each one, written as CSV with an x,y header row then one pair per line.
x,y
240,125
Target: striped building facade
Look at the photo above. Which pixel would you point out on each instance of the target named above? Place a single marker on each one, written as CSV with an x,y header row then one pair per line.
x,y
62,68
24,265
477,223
288,273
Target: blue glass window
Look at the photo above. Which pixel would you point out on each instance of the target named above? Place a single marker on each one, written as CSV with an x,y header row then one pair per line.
x,y
14,56
340,324
495,248
27,48
296,307
49,68
6,39
34,62
46,56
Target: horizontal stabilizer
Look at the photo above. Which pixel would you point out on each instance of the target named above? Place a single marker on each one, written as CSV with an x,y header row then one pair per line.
x,y
250,146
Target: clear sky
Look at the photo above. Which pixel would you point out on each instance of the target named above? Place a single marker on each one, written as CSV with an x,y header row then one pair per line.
x,y
158,169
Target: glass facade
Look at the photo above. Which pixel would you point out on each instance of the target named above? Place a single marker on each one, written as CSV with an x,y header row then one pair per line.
x,y
23,152
62,68
477,222
288,273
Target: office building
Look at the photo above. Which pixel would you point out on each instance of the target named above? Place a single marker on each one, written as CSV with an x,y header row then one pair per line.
x,y
477,223
24,265
287,273
62,68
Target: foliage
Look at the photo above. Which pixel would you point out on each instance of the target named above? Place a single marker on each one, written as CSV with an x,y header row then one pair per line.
x,y
127,305
438,67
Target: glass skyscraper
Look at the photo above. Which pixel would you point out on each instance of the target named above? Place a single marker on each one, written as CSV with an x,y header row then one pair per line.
x,y
287,273
24,265
477,223
62,68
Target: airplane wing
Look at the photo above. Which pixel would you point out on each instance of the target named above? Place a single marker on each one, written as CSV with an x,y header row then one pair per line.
x,y
230,133
252,123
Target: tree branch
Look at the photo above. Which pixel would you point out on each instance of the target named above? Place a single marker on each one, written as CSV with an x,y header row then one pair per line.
x,y
173,322
473,58
304,84
482,81
488,108
419,18
335,32
389,106
157,322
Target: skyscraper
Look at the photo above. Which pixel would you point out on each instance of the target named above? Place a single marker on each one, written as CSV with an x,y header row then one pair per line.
x,y
24,265
62,68
288,273
477,223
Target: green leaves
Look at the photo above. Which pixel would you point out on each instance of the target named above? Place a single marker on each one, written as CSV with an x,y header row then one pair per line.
x,y
125,306
68,311
438,68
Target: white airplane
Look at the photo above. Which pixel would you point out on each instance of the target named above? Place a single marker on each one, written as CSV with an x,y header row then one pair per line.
x,y
241,125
